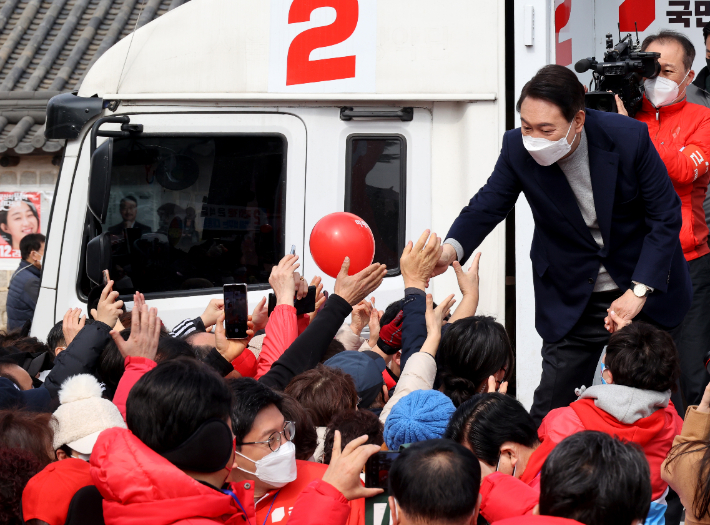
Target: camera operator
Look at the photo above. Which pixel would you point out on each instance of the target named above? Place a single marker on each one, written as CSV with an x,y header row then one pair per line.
x,y
606,227
680,130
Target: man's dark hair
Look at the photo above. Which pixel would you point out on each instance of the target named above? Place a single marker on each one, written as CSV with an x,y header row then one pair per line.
x,y
128,198
323,391
306,440
557,85
31,242
30,431
111,365
391,312
436,480
706,33
250,398
643,356
596,479
334,348
55,337
352,424
666,36
169,403
486,421
172,348
472,350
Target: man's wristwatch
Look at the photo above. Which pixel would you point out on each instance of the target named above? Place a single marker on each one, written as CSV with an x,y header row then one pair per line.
x,y
641,290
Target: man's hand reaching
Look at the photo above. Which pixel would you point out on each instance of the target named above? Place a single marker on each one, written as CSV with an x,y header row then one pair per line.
x,y
626,308
145,333
72,324
214,309
418,260
354,288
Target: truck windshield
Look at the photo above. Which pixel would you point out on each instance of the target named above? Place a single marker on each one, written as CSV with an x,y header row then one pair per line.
x,y
196,212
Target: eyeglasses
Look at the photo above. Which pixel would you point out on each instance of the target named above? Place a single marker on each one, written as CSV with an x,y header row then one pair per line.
x,y
274,441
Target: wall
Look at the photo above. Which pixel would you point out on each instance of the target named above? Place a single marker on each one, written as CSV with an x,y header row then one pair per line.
x,y
33,173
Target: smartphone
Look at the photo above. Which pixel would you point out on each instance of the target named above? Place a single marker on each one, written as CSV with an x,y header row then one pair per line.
x,y
293,249
236,312
303,306
377,469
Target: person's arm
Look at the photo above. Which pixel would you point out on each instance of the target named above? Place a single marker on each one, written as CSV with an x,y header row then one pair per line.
x,y
485,210
135,368
187,327
31,292
468,284
308,348
281,332
686,164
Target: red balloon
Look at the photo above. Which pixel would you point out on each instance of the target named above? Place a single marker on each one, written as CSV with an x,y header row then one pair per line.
x,y
341,235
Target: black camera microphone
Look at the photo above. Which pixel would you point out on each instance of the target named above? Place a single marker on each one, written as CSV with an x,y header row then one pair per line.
x,y
583,65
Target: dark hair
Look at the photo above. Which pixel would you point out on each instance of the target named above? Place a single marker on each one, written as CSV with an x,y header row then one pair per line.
x,y
596,479
17,466
55,337
128,198
250,398
30,431
557,85
706,33
666,36
471,350
486,421
23,343
436,480
6,372
3,218
391,312
353,424
172,348
169,403
323,392
32,242
111,365
306,440
643,356
334,348
701,498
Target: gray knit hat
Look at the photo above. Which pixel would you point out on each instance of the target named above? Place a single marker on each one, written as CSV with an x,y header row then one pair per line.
x,y
83,414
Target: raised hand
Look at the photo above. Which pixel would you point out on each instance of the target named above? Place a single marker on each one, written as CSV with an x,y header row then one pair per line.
x,y
418,260
345,467
72,324
109,308
374,323
320,296
260,315
145,333
469,286
282,279
354,288
301,285
214,309
231,348
360,317
448,256
435,316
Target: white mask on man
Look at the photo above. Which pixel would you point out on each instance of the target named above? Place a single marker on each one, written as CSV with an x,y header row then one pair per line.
x,y
662,91
546,152
277,468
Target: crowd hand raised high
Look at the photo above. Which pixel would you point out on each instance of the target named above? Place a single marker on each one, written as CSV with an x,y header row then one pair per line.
x,y
260,315
109,308
145,333
282,279
626,307
360,317
345,467
72,324
231,348
138,301
374,323
418,261
214,309
469,286
448,256
317,281
354,288
300,285
435,316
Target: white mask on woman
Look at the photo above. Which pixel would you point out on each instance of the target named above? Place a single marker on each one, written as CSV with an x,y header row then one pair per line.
x,y
277,468
546,152
662,91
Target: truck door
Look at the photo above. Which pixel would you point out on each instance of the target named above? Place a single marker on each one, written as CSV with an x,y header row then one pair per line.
x,y
383,168
196,201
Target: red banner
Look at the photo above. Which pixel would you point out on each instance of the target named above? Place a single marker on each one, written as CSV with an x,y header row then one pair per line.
x,y
19,216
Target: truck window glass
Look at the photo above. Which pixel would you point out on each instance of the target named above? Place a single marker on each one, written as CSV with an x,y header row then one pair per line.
x,y
375,191
196,212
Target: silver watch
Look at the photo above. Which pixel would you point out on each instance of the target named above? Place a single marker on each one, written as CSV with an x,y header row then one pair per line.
x,y
641,290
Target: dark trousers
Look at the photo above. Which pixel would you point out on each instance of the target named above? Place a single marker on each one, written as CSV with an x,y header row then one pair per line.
x,y
695,341
572,361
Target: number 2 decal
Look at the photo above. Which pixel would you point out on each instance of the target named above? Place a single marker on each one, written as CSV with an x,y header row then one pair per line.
x,y
300,69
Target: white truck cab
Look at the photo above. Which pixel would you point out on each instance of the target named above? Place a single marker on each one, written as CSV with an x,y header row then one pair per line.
x,y
225,129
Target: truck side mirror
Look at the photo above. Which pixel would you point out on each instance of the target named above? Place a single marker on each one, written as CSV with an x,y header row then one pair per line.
x,y
100,180
98,257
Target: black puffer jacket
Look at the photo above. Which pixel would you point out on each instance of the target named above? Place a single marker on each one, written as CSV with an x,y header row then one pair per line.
x,y
22,295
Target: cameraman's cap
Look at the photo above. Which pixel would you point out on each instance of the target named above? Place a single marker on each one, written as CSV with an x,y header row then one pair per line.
x,y
366,370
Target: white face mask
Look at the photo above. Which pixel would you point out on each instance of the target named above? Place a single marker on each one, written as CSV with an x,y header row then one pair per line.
x,y
546,152
662,91
276,469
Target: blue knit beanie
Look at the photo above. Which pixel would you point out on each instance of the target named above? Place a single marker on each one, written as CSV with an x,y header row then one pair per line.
x,y
418,416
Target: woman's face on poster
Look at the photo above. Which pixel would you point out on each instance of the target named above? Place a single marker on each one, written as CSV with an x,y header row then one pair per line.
x,y
21,221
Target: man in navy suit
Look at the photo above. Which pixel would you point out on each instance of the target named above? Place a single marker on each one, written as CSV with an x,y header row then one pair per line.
x,y
607,221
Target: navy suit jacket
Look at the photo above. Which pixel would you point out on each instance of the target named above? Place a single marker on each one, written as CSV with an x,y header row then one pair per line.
x,y
638,213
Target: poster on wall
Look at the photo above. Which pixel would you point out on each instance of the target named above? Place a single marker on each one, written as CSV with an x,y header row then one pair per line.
x,y
576,38
19,216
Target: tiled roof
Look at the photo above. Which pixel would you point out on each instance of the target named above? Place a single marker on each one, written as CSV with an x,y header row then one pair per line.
x,y
46,47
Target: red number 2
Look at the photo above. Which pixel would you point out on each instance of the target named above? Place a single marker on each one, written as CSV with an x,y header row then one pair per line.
x,y
299,68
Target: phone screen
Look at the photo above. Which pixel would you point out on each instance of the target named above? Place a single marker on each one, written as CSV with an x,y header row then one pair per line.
x,y
235,310
307,304
377,469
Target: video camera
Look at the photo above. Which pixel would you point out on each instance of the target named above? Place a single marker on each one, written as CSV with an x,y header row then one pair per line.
x,y
622,73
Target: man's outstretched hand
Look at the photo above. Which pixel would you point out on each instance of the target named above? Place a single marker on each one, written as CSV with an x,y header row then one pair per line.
x,y
448,256
625,308
419,260
354,288
145,333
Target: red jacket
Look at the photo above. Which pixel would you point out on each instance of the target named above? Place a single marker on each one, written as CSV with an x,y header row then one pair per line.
x,y
134,369
503,496
537,520
681,134
654,434
139,486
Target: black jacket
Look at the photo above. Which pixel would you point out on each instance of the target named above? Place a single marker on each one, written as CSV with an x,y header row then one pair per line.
x,y
22,295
